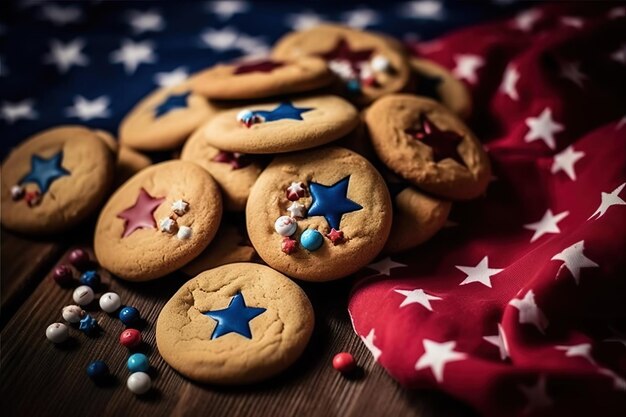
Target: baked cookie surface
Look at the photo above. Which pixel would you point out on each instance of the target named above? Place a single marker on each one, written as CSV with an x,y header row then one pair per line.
x,y
236,324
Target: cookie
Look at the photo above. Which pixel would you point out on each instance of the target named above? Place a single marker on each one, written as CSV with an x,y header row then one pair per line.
x,y
55,179
319,215
287,126
369,66
164,119
234,172
127,161
159,220
436,82
262,78
423,142
236,324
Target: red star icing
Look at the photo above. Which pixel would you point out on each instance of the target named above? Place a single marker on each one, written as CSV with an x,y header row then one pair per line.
x,y
235,159
288,245
443,143
258,66
342,52
295,191
140,215
335,236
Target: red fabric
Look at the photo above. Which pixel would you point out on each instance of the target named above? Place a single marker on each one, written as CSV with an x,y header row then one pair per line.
x,y
568,356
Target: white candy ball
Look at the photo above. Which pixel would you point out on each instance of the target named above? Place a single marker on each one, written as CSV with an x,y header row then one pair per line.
x,y
139,383
285,226
244,115
184,233
110,302
72,314
380,64
57,332
83,295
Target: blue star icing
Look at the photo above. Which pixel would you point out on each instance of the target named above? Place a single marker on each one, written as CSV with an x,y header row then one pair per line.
x,y
285,110
235,318
331,201
173,102
44,172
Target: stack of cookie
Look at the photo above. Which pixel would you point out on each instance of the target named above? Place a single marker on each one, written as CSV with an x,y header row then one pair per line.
x,y
325,146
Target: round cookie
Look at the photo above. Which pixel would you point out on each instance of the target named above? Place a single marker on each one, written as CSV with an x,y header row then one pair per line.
x,y
369,65
159,220
436,82
129,162
280,127
55,179
164,119
423,142
235,173
262,78
236,324
319,215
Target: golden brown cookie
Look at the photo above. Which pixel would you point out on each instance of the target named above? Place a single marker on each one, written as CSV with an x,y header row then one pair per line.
x,y
319,215
234,172
369,65
129,162
279,127
262,78
159,220
55,179
423,142
236,324
164,119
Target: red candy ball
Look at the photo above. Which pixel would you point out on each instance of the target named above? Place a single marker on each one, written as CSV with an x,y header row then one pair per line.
x,y
130,338
344,362
79,258
62,275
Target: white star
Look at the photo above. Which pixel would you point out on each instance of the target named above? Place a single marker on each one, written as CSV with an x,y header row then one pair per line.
x,y
500,342
527,19
536,395
437,355
423,9
582,350
620,55
304,20
479,273
609,200
361,18
509,82
61,15
385,266
180,207
296,209
618,382
148,21
573,21
547,224
529,312
574,260
252,46
571,71
369,344
87,110
12,112
66,55
565,160
225,9
543,127
617,12
417,296
131,54
172,78
466,67
220,39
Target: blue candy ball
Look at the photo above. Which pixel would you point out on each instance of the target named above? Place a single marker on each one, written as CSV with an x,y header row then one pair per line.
x,y
354,86
129,315
97,370
90,278
311,239
138,362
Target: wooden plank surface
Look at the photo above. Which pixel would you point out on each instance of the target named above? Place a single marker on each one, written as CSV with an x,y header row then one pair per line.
x,y
41,379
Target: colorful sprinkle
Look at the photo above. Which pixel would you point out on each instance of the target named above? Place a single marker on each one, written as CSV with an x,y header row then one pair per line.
x,y
335,236
295,191
288,245
184,233
311,240
180,207
285,226
296,210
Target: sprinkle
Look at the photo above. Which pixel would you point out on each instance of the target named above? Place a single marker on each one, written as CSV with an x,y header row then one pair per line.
x,y
180,207
184,233
167,225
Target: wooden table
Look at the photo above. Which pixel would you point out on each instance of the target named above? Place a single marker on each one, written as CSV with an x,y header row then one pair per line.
x,y
41,379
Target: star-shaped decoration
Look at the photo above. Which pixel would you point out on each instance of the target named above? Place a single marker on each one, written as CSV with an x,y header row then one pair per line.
x,y
536,395
466,67
509,82
529,312
436,356
565,160
543,127
574,260
423,9
583,350
500,342
608,200
295,191
285,110
368,341
66,55
288,245
172,78
89,109
479,273
141,214
331,201
132,54
226,9
385,266
571,71
264,65
235,159
235,318
305,20
180,207
148,21
343,52
296,210
428,86
172,102
547,224
252,46
417,296
526,20
360,18
44,172
61,15
220,39
14,111
620,55
335,236
444,143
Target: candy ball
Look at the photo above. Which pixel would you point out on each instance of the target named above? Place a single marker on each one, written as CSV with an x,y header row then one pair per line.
x,y
83,295
57,332
380,64
110,302
139,383
62,275
97,370
311,239
184,233
130,338
344,362
354,86
129,315
72,314
138,362
285,226
79,258
17,192
245,115
90,278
